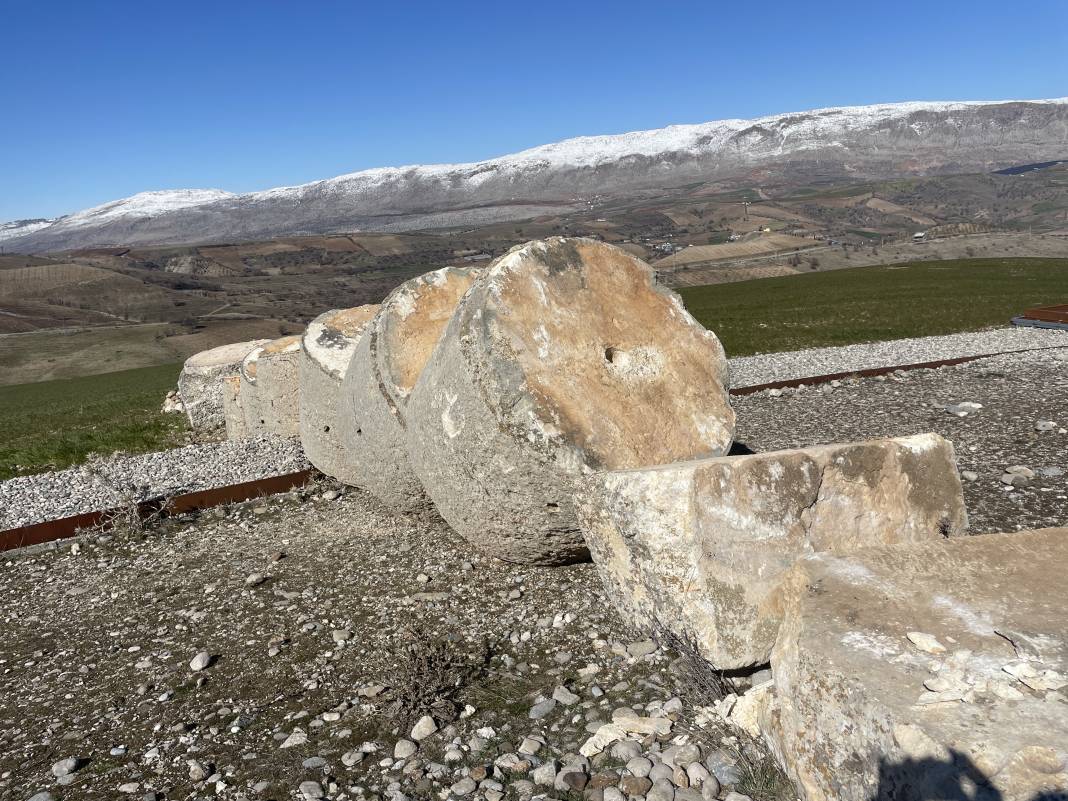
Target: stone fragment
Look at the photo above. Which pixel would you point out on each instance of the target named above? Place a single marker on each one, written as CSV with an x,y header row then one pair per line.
x,y
698,547
605,736
377,388
200,384
852,719
66,767
423,728
925,642
326,350
270,388
564,358
404,749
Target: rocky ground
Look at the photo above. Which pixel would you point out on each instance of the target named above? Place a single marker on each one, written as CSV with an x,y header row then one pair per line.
x,y
315,646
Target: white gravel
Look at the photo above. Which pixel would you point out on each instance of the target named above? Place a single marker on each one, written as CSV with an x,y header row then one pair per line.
x,y
748,371
47,496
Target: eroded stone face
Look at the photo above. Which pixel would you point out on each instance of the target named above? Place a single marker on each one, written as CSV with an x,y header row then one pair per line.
x,y
233,411
601,358
925,670
270,392
564,358
326,352
331,338
385,366
200,383
413,322
699,547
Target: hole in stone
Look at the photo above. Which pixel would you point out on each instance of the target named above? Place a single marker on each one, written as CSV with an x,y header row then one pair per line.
x,y
553,505
610,355
359,430
326,429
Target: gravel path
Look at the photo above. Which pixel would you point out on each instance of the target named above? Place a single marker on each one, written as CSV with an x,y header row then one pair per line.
x,y
48,496
747,371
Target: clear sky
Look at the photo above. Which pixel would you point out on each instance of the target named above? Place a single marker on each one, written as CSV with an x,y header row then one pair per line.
x,y
103,99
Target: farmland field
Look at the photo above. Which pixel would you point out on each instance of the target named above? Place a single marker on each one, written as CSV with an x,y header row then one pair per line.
x,y
868,304
50,425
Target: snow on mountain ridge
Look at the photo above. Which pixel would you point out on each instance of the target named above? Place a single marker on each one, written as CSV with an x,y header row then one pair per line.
x,y
144,204
810,129
10,230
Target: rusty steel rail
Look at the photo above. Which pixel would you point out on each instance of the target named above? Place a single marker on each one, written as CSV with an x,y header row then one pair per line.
x,y
51,530
874,371
1044,317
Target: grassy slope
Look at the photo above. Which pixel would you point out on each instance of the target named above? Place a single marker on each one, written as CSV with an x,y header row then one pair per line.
x,y
868,304
54,424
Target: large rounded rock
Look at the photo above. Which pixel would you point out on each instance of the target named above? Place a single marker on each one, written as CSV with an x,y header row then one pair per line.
x,y
270,394
326,350
565,358
384,369
200,383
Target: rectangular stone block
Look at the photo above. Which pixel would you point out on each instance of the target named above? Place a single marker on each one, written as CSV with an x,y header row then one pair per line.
x,y
923,671
698,547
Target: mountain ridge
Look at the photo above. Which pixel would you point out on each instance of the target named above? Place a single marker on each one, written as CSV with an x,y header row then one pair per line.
x,y
879,141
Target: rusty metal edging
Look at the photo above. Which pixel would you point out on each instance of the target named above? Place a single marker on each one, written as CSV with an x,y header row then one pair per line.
x,y
50,530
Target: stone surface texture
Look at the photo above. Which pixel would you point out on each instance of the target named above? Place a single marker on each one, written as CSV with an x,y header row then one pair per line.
x,y
233,410
699,547
861,711
385,367
270,391
326,350
563,359
200,384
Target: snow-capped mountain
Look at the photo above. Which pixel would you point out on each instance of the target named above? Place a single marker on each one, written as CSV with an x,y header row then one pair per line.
x,y
15,228
878,141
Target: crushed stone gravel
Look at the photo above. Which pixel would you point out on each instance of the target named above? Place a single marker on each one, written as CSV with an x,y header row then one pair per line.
x,y
104,483
749,371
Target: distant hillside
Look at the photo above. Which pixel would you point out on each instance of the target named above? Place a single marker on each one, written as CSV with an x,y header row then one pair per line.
x,y
859,142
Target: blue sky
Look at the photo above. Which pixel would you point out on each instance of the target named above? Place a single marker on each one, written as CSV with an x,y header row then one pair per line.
x,y
99,100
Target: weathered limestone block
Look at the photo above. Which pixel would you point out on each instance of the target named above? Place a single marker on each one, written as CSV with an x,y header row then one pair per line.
x,y
200,383
923,671
565,358
698,547
270,391
385,366
233,411
326,350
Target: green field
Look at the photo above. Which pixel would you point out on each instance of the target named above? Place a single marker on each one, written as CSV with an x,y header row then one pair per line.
x,y
868,304
54,424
